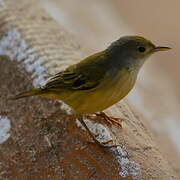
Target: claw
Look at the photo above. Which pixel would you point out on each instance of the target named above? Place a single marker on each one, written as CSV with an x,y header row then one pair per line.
x,y
110,120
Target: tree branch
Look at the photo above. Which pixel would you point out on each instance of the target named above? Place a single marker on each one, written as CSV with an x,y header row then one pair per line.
x,y
45,141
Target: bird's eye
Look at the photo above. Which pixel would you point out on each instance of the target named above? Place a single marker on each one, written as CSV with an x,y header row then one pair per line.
x,y
142,49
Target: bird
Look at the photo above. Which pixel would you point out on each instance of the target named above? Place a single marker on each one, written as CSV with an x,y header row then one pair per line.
x,y
99,80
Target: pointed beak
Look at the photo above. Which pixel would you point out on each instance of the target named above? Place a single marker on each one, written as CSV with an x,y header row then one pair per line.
x,y
160,48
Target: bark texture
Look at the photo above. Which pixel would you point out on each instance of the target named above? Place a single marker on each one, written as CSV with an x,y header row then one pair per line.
x,y
45,141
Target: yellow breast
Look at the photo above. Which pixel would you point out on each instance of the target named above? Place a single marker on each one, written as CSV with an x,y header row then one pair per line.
x,y
108,93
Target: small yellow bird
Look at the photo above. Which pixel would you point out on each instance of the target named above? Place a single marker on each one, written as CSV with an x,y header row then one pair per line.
x,y
100,80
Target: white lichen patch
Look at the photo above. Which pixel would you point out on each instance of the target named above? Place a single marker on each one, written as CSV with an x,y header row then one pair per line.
x,y
4,129
66,108
101,132
13,46
128,168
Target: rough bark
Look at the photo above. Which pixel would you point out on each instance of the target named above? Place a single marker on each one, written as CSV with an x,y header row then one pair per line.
x,y
45,140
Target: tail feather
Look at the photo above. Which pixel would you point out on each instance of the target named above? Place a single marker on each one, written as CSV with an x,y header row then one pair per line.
x,y
33,92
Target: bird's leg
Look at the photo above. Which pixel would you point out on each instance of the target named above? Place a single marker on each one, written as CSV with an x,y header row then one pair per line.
x,y
111,120
102,144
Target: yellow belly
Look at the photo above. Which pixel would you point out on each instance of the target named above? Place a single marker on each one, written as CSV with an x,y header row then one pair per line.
x,y
108,93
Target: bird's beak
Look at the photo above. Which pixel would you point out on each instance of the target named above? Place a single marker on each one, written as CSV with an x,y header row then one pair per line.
x,y
160,48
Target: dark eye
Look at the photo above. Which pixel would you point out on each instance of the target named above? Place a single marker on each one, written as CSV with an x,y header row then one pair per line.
x,y
142,49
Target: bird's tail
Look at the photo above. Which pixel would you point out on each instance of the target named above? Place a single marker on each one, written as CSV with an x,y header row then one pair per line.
x,y
33,92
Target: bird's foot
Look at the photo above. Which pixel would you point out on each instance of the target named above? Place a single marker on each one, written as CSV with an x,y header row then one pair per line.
x,y
110,120
99,143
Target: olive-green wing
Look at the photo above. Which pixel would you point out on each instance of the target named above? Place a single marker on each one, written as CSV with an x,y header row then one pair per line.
x,y
86,75
71,80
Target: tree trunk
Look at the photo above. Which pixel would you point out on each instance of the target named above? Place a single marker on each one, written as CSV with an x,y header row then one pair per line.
x,y
40,138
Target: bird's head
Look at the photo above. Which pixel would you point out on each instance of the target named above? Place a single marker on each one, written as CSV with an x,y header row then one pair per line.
x,y
133,50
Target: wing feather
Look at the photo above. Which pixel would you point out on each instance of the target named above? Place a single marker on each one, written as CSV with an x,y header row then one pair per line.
x,y
85,75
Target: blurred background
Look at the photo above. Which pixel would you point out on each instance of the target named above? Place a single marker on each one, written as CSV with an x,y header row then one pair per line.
x,y
96,23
